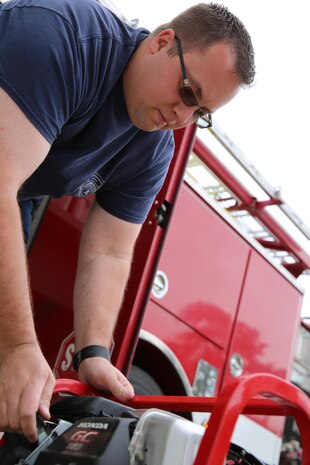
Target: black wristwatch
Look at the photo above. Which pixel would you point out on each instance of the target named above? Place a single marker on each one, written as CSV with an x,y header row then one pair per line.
x,y
89,352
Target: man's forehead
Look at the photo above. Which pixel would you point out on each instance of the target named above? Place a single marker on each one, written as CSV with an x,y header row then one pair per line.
x,y
212,72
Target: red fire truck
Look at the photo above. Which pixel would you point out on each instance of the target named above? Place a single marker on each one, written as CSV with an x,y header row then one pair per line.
x,y
213,292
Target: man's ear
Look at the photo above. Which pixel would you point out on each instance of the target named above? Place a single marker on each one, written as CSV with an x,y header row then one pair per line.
x,y
162,39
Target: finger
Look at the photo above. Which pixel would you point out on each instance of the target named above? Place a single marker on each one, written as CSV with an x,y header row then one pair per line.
x,y
45,401
117,384
3,415
9,406
29,404
128,390
13,419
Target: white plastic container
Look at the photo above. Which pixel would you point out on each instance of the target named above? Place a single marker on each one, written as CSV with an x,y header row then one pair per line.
x,y
162,438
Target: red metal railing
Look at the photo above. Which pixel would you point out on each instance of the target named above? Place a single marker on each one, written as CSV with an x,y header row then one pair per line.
x,y
279,398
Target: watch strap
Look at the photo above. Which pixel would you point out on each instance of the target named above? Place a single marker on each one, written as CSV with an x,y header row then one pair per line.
x,y
89,352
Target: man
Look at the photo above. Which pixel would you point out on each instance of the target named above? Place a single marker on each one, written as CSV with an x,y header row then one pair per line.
x,y
87,104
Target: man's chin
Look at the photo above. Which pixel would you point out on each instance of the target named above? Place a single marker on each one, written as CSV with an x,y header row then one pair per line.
x,y
149,126
148,123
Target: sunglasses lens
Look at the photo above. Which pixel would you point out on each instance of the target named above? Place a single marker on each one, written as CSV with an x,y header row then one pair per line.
x,y
202,120
188,97
198,114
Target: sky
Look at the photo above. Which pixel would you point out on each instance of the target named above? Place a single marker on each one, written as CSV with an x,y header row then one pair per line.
x,y
268,122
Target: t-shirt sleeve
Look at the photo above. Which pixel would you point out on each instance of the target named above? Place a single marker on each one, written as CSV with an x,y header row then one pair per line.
x,y
38,65
132,200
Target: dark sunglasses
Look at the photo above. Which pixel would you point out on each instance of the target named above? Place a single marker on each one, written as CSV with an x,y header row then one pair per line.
x,y
188,96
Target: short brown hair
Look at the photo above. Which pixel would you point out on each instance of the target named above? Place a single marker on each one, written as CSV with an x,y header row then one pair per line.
x,y
205,24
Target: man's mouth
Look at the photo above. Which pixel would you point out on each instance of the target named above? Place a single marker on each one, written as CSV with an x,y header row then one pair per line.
x,y
161,120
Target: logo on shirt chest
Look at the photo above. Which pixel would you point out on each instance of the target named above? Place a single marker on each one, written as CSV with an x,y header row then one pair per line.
x,y
89,186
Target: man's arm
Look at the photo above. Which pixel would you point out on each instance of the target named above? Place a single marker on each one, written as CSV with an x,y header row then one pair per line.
x,y
26,382
104,264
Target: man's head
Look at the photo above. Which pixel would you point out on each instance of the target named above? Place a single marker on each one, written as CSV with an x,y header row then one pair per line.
x,y
205,24
205,48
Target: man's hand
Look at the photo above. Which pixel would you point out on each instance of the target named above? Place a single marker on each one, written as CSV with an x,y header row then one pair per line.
x,y
26,387
102,375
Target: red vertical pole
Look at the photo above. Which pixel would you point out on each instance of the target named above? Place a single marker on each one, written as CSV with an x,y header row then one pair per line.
x,y
147,253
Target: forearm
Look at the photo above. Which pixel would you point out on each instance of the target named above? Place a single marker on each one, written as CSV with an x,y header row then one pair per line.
x,y
98,295
104,264
22,149
26,381
16,322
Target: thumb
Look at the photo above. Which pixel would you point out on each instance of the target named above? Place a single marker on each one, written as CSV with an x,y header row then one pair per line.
x,y
122,388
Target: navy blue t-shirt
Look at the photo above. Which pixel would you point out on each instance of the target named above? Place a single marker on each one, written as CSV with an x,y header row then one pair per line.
x,y
62,61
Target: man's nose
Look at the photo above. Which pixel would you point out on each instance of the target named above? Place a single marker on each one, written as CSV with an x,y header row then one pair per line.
x,y
185,113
